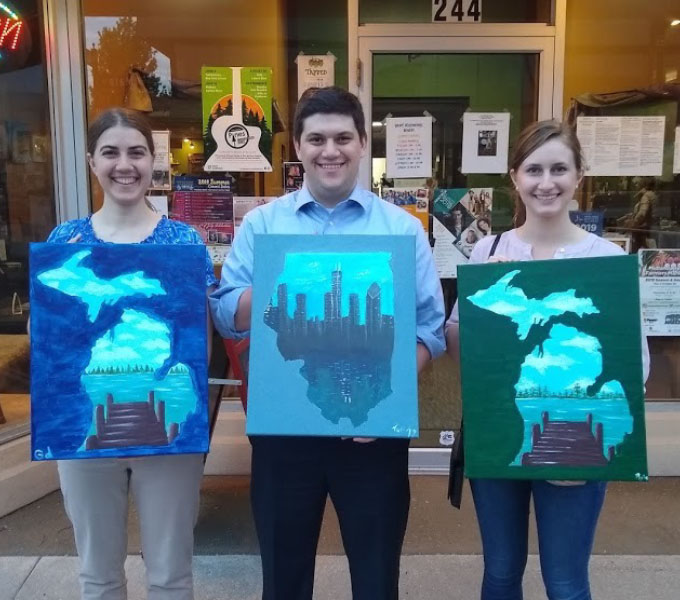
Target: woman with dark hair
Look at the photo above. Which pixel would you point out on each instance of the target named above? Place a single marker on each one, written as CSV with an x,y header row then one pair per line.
x,y
166,488
546,168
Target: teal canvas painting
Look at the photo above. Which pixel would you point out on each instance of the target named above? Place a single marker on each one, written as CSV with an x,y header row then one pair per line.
x,y
551,369
333,339
118,350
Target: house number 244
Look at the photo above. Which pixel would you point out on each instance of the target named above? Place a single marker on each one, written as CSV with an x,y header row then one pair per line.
x,y
456,11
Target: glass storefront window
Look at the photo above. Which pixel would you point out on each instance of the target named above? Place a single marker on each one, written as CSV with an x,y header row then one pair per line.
x,y
148,56
420,11
630,67
27,202
444,86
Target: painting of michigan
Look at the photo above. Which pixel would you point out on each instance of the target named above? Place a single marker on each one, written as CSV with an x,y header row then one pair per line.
x,y
118,350
333,335
551,369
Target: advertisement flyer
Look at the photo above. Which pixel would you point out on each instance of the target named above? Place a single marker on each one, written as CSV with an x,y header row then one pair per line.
x,y
293,176
622,145
317,70
591,221
237,139
244,204
460,218
409,147
660,291
676,153
160,178
486,138
414,201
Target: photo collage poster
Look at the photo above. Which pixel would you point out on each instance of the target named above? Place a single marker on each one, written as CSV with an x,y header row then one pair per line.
x,y
461,217
415,201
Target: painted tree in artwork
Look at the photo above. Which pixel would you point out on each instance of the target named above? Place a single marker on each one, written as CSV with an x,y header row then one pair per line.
x,y
119,48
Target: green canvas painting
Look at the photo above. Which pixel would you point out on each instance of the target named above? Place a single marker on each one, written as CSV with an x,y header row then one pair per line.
x,y
551,369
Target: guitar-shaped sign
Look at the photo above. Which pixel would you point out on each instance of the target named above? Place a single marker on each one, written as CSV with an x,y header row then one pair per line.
x,y
238,145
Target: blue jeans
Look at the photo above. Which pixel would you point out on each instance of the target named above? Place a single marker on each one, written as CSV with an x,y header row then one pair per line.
x,y
566,517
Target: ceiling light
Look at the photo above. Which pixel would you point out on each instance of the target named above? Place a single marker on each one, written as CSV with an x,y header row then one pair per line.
x,y
675,22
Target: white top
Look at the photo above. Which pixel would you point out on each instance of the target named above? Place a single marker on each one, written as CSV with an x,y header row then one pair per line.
x,y
512,247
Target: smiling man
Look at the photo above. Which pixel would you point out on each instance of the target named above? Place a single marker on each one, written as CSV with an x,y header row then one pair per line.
x,y
367,480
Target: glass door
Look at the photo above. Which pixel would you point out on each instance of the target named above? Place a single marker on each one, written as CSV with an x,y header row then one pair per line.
x,y
443,78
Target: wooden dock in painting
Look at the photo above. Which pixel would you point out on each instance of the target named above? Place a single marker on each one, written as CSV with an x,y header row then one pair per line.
x,y
126,424
567,444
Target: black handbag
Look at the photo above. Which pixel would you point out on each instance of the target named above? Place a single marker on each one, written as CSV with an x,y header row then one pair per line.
x,y
457,463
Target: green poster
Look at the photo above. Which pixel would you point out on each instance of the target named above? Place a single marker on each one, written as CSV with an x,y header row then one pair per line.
x,y
551,369
237,140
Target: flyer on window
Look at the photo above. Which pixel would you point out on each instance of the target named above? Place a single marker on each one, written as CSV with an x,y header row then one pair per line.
x,y
244,204
408,142
237,139
460,218
615,146
660,291
415,201
314,70
160,179
293,176
486,138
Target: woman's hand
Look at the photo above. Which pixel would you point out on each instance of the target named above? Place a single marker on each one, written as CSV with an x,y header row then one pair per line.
x,y
497,258
74,239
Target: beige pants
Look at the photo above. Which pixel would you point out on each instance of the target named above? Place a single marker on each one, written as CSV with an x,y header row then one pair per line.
x,y
166,494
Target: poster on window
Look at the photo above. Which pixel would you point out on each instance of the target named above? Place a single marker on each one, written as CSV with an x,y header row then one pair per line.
x,y
408,142
622,145
237,118
160,178
460,218
293,176
486,138
660,291
314,71
415,201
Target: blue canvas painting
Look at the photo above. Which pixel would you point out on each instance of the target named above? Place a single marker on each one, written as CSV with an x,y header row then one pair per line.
x,y
333,336
118,350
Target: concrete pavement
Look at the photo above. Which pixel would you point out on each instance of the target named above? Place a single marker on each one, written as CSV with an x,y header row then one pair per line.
x,y
637,548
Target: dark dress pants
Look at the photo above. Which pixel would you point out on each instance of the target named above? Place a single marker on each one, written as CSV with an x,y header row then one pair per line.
x,y
368,485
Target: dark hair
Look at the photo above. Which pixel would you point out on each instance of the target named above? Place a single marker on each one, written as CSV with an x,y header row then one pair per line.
x,y
533,137
328,100
118,116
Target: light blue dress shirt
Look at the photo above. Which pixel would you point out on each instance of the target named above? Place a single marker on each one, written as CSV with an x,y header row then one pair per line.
x,y
362,213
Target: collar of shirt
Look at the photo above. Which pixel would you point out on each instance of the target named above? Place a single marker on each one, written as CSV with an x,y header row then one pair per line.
x,y
358,196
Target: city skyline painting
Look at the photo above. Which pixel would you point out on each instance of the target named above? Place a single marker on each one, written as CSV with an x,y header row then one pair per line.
x,y
333,319
559,394
118,350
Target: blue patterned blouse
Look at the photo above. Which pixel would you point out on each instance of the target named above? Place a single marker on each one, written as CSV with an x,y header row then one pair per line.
x,y
166,232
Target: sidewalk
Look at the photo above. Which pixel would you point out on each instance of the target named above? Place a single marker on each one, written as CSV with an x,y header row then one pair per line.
x,y
637,548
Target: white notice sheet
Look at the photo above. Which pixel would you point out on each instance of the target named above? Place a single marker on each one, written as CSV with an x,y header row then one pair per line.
x,y
622,145
409,146
485,142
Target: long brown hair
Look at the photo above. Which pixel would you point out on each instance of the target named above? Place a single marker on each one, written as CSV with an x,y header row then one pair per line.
x,y
118,116
533,137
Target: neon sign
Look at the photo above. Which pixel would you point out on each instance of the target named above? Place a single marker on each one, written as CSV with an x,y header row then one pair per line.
x,y
11,28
